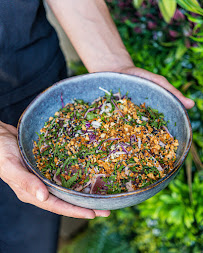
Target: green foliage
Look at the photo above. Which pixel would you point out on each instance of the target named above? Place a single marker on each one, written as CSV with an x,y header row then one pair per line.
x,y
137,3
191,5
168,222
167,8
178,218
171,221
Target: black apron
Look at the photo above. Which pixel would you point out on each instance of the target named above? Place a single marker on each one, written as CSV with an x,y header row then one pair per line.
x,y
30,61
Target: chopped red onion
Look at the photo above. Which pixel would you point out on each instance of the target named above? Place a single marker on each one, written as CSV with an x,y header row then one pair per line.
x,y
139,143
86,189
124,144
118,95
57,179
162,144
77,188
97,183
129,186
117,108
96,100
144,118
87,186
113,151
133,137
100,106
110,139
120,153
127,170
87,125
92,137
62,100
96,124
106,91
89,110
164,127
157,164
123,148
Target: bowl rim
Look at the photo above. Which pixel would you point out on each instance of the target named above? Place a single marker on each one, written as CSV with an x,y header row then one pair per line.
x,y
99,196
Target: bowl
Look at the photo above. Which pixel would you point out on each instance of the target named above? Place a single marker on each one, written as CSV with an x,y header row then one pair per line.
x,y
86,87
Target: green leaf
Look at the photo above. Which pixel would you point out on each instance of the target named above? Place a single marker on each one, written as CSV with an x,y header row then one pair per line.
x,y
58,171
91,115
191,5
137,3
197,49
198,39
199,102
67,184
188,217
41,139
180,51
196,20
167,199
167,8
131,25
175,215
169,44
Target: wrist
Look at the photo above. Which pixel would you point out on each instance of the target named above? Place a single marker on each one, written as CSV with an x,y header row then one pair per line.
x,y
115,62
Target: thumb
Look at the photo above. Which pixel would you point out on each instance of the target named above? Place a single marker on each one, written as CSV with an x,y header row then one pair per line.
x,y
13,172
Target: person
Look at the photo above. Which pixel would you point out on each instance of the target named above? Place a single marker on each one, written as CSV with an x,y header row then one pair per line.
x,y
30,61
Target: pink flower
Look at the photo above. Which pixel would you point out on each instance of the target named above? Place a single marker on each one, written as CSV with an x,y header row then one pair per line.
x,y
173,33
137,30
151,25
178,15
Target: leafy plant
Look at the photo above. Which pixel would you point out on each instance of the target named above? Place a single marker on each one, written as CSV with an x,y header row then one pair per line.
x,y
168,7
168,222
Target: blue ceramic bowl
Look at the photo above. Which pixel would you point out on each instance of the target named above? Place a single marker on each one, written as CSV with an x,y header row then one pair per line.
x,y
86,87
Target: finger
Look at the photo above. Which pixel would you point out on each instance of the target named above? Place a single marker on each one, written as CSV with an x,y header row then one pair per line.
x,y
12,170
55,205
188,103
102,213
30,189
9,128
161,81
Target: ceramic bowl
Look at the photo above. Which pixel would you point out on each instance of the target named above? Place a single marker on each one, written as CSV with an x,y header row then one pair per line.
x,y
86,87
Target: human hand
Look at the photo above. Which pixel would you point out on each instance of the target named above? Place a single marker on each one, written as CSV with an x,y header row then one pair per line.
x,y
28,187
160,80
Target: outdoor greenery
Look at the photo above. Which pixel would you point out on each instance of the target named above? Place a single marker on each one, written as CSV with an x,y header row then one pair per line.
x,y
171,221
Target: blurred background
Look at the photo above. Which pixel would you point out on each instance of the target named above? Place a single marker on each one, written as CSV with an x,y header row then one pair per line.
x,y
164,37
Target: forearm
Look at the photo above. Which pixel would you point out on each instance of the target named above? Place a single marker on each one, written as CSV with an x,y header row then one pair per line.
x,y
93,33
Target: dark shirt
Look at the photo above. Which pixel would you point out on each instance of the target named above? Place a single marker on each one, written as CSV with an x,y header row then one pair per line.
x,y
29,49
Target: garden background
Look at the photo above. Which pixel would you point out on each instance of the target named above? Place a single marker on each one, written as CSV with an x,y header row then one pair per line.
x,y
166,38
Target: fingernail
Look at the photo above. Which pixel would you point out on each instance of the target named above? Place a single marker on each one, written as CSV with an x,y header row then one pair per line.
x,y
100,213
40,195
104,215
90,217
